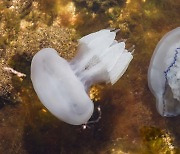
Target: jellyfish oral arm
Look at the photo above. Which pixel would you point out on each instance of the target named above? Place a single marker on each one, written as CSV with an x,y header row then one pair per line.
x,y
101,58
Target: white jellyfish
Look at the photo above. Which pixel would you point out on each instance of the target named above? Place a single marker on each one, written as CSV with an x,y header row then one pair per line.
x,y
164,74
62,86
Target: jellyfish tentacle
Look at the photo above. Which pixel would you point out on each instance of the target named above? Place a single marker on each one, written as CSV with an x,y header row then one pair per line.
x,y
86,125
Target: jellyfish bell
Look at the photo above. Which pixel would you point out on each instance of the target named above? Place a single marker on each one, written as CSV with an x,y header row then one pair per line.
x,y
59,89
62,86
164,74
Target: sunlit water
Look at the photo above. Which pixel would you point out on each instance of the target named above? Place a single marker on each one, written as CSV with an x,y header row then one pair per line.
x,y
130,122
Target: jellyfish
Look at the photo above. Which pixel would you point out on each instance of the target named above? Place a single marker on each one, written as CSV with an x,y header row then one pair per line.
x,y
62,86
164,74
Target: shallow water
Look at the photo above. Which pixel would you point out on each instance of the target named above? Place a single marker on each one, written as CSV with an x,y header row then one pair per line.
x,y
130,122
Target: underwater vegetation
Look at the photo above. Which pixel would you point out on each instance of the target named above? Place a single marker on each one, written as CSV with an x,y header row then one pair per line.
x,y
99,59
25,37
98,6
129,116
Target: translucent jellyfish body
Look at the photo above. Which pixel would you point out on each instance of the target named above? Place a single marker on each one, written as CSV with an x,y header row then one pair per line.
x,y
164,74
62,86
